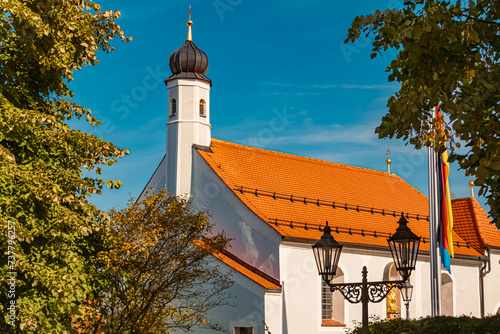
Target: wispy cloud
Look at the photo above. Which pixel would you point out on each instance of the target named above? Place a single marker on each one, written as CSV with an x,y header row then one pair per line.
x,y
332,86
313,134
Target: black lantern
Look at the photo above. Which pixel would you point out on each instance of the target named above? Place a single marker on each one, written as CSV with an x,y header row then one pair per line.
x,y
327,254
404,248
406,291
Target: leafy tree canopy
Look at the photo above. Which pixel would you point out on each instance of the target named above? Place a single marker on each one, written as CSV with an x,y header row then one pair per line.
x,y
160,269
43,191
449,56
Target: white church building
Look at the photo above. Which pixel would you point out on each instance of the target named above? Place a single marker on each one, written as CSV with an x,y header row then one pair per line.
x,y
275,205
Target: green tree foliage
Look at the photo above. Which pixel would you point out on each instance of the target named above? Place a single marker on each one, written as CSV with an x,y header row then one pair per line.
x,y
449,56
161,272
43,191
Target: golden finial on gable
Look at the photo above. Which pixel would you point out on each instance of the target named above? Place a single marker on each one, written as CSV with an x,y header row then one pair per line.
x,y
388,161
471,185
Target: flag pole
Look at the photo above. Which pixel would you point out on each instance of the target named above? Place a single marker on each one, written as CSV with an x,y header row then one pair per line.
x,y
433,225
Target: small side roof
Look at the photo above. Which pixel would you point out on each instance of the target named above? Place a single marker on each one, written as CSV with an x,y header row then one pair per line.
x,y
249,271
256,275
473,225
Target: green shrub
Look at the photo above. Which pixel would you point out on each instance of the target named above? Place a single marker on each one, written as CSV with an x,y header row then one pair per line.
x,y
434,325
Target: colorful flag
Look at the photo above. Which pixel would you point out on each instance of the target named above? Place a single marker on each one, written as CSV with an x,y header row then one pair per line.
x,y
446,242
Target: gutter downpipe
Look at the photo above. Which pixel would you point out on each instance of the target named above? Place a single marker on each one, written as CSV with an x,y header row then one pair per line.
x,y
483,271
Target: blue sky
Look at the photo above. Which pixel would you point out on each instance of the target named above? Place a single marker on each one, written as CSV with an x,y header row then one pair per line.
x,y
282,80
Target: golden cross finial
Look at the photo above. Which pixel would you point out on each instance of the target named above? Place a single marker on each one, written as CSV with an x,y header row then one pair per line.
x,y
453,195
189,23
471,185
388,161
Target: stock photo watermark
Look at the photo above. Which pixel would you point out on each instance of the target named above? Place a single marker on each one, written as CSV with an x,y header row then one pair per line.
x,y
363,41
277,124
11,274
130,100
406,167
223,6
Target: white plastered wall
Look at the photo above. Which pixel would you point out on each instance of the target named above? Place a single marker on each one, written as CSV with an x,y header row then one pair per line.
x,y
185,128
248,308
491,285
302,286
297,308
254,241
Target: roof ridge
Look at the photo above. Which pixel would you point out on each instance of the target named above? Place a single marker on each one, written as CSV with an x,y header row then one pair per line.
x,y
299,157
318,161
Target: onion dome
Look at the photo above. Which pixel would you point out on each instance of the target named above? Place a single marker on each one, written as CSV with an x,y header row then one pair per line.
x,y
188,62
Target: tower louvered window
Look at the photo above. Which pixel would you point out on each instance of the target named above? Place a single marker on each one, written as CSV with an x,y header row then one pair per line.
x,y
173,107
203,112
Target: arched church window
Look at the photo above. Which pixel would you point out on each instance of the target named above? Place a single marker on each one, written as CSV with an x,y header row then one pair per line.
x,y
446,294
332,303
393,299
173,107
203,111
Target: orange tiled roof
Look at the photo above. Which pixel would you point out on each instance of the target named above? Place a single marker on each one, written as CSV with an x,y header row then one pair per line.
x,y
295,195
471,222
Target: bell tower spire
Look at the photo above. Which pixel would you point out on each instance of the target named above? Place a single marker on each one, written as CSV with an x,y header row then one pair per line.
x,y
188,116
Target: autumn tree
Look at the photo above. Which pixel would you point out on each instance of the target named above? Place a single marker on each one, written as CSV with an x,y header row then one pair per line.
x,y
50,232
161,272
448,55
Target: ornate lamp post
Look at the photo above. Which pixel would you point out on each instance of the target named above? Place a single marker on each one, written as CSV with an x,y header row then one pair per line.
x,y
406,292
404,249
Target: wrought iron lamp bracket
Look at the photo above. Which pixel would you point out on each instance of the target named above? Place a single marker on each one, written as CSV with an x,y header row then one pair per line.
x,y
376,291
351,292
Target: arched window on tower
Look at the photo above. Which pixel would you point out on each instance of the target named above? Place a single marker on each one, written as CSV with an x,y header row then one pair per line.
x,y
332,303
393,300
446,294
203,110
173,107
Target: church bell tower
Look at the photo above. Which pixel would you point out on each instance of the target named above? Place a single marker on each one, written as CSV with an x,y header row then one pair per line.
x,y
188,116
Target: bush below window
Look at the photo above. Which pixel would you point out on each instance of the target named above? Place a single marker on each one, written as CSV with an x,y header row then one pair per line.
x,y
436,325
